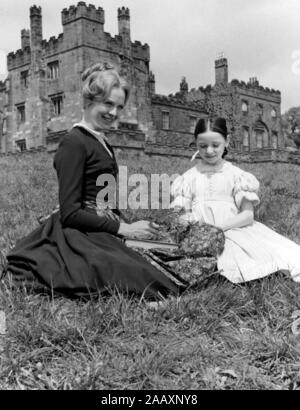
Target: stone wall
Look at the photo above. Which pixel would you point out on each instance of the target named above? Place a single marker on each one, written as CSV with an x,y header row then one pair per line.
x,y
84,42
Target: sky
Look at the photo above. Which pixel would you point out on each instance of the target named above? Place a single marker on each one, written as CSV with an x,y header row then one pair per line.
x,y
260,38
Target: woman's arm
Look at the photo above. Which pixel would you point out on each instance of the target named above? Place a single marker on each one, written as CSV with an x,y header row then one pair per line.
x,y
244,218
70,163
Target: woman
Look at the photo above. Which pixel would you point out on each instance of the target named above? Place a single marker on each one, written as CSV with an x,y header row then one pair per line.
x,y
78,250
216,192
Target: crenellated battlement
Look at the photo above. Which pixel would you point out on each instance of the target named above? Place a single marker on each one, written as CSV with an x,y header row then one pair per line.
x,y
253,84
140,51
113,43
178,100
18,58
89,12
35,11
53,45
25,38
123,13
221,62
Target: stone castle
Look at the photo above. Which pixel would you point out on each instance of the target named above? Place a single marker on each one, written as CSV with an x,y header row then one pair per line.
x,y
41,97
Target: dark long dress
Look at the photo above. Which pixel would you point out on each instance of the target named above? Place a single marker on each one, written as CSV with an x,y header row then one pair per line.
x,y
76,252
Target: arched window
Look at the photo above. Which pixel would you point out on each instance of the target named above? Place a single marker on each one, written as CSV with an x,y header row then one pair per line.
x,y
273,113
274,140
260,109
245,107
165,120
261,135
246,138
259,139
265,139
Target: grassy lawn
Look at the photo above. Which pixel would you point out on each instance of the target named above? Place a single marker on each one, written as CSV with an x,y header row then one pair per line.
x,y
221,336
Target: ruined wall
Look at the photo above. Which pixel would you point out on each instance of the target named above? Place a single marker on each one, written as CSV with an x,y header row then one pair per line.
x,y
256,96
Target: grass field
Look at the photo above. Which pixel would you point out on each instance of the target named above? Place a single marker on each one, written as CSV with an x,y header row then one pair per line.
x,y
221,336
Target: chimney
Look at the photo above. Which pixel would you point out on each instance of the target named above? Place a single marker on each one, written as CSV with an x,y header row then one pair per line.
x,y
184,87
221,69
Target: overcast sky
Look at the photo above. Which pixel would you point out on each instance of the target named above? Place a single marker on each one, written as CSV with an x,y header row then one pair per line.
x,y
260,38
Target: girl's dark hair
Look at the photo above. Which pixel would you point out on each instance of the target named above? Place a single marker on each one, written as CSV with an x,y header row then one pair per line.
x,y
218,125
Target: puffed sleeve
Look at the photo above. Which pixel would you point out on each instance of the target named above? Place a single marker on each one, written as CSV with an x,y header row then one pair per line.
x,y
181,193
70,162
246,187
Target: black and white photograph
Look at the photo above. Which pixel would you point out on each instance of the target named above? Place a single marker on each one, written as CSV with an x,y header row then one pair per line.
x,y
149,198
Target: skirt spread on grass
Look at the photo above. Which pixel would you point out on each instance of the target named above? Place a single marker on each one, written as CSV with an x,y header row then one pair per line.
x,y
75,263
67,261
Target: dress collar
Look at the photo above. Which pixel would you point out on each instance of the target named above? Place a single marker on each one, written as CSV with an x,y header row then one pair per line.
x,y
203,167
98,135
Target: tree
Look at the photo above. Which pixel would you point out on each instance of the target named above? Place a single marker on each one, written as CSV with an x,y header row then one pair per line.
x,y
291,126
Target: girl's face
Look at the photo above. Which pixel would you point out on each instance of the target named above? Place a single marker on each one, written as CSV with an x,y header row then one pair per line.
x,y
211,146
104,114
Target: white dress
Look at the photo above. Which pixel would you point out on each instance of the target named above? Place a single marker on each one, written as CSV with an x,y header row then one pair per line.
x,y
213,194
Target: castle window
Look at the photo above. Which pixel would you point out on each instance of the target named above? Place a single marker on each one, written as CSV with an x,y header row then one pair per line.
x,y
21,117
259,139
21,145
165,120
57,105
260,109
246,139
245,107
273,113
274,140
24,78
193,122
53,70
265,139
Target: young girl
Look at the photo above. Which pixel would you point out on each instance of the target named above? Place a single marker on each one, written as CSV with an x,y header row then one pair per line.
x,y
216,192
77,251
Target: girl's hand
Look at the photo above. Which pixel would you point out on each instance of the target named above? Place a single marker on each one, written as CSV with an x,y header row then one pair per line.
x,y
139,230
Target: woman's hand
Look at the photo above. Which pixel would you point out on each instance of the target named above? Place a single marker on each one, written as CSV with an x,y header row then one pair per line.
x,y
138,230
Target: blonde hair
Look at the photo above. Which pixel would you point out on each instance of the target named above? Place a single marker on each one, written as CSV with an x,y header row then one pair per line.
x,y
98,81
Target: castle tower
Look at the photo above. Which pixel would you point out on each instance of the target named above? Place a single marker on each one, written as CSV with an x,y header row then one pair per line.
x,y
36,28
124,28
83,24
35,108
184,87
221,69
25,38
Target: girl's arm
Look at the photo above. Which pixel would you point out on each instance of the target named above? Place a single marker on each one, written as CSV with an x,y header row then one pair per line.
x,y
244,218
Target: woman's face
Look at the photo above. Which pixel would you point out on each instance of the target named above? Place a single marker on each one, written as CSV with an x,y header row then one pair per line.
x,y
211,146
104,114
